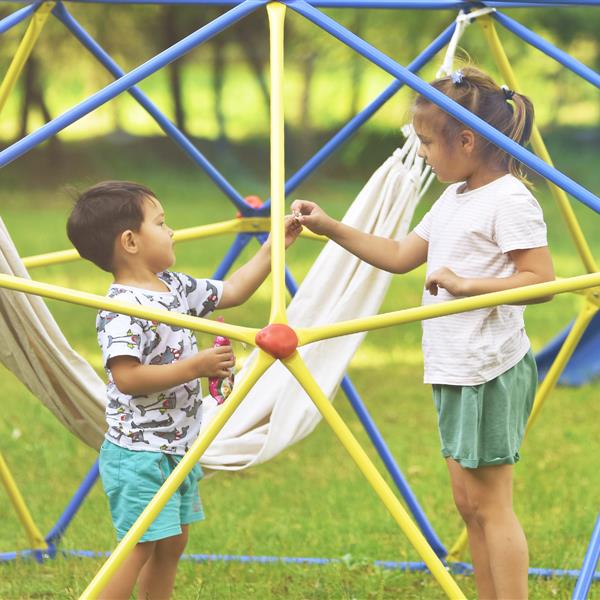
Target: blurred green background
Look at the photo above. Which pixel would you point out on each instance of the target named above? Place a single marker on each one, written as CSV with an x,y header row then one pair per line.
x,y
311,500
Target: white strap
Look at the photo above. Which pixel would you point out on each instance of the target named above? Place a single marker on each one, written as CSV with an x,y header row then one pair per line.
x,y
463,20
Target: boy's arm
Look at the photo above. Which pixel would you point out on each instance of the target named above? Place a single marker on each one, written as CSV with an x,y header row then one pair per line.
x,y
390,255
247,279
534,265
135,379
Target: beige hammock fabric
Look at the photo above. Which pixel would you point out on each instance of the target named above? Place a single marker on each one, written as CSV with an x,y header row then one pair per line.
x,y
36,351
277,412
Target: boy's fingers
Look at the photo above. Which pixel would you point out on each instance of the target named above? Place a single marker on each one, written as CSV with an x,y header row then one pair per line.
x,y
223,349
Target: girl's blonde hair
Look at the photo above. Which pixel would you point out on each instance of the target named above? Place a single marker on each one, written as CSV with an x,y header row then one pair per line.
x,y
509,112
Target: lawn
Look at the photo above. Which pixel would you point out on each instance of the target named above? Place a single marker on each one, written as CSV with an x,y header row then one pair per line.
x,y
310,501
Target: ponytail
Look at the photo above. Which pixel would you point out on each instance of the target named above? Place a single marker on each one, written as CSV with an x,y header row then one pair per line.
x,y
509,112
519,130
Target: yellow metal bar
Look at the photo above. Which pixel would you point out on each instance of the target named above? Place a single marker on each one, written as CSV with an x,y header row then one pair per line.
x,y
171,485
513,296
19,284
549,383
489,29
561,360
456,551
23,52
250,224
242,225
297,367
36,539
276,13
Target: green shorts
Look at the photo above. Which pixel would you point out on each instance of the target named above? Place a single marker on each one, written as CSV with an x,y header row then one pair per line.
x,y
483,425
131,479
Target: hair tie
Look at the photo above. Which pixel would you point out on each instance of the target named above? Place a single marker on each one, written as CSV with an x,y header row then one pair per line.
x,y
508,93
457,77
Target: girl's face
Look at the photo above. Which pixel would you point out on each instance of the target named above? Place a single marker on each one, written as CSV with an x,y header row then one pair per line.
x,y
450,159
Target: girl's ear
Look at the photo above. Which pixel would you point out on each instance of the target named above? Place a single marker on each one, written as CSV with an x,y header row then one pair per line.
x,y
128,242
466,139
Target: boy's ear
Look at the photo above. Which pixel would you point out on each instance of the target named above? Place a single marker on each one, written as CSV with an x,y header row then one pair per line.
x,y
128,242
466,139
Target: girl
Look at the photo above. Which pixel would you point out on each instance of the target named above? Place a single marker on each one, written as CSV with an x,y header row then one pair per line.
x,y
485,233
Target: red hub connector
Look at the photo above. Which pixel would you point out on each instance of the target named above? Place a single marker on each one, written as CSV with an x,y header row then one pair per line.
x,y
253,201
278,340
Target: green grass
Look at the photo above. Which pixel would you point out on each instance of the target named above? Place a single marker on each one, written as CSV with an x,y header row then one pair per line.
x,y
310,501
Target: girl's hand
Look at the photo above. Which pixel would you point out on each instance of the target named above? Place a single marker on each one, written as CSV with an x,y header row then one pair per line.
x,y
446,279
311,215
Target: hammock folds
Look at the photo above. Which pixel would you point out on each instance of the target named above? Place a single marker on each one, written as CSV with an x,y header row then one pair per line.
x,y
277,412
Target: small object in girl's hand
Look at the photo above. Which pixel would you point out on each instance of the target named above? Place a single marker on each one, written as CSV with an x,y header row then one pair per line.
x,y
296,214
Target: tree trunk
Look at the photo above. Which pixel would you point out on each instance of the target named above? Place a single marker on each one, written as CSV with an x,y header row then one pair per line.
x,y
171,36
357,67
33,97
218,80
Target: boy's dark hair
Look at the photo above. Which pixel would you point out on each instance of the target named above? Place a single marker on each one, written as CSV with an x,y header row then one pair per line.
x,y
103,212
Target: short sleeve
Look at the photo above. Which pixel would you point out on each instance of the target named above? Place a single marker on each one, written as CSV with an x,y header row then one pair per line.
x,y
119,335
519,223
203,295
423,228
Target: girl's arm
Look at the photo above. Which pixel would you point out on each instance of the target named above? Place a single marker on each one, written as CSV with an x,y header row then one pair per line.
x,y
534,265
135,379
247,279
383,253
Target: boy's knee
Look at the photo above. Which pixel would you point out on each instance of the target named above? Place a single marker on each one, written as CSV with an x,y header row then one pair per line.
x,y
173,546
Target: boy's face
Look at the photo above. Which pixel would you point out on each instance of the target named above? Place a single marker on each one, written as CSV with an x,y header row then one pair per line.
x,y
155,238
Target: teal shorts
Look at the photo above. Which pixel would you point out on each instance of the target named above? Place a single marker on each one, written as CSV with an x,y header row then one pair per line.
x,y
131,479
483,425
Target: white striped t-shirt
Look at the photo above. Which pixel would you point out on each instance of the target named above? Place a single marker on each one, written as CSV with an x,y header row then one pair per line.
x,y
471,233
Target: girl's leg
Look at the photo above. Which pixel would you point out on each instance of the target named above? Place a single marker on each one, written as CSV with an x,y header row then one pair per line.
x,y
479,555
489,492
122,582
158,575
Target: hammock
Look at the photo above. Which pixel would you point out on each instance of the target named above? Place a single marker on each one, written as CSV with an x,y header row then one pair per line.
x,y
276,413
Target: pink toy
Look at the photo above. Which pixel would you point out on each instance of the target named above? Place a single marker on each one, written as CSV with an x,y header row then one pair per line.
x,y
219,388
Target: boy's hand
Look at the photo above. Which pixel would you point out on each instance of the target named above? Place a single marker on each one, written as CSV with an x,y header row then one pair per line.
x,y
311,215
446,279
214,362
293,229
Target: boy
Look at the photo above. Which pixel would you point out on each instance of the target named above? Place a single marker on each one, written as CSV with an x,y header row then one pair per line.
x,y
153,390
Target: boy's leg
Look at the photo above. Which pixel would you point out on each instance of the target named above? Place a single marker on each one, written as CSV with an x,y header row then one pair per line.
x,y
122,582
158,574
489,490
479,555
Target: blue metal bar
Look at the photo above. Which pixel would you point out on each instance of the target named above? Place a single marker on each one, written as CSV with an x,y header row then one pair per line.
x,y
402,4
547,48
240,242
352,126
18,16
124,83
393,468
383,451
582,587
56,533
169,128
451,107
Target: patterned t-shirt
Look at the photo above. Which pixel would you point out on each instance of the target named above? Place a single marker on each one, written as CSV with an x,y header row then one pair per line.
x,y
167,421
